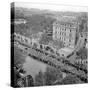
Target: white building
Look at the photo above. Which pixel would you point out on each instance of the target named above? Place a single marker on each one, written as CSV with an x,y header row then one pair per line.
x,y
65,30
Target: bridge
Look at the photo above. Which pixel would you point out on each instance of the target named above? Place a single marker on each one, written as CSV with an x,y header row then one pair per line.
x,y
62,63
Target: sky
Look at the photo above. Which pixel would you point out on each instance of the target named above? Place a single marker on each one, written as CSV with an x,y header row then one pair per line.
x,y
52,7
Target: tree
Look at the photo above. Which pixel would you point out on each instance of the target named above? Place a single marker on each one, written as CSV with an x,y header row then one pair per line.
x,y
56,44
44,39
39,79
48,77
83,27
19,57
82,53
70,79
51,75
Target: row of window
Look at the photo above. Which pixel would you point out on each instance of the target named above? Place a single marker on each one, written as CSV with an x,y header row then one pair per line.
x,y
61,33
63,38
62,29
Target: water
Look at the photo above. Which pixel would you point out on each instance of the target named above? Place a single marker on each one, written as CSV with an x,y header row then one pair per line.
x,y
32,67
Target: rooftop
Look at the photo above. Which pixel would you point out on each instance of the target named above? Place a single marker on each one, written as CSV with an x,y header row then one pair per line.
x,y
67,20
66,51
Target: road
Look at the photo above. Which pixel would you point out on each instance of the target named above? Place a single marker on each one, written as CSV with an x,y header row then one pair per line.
x,y
63,66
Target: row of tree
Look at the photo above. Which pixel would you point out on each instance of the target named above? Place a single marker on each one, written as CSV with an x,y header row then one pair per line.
x,y
53,76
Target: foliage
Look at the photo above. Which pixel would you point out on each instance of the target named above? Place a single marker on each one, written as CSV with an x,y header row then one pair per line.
x,y
51,75
58,44
70,79
82,53
45,39
83,27
35,23
39,79
19,57
48,77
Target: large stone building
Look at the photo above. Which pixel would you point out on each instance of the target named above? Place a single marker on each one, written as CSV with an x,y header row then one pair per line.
x,y
65,30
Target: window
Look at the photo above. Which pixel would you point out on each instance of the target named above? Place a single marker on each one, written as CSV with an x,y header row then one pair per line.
x,y
65,34
64,39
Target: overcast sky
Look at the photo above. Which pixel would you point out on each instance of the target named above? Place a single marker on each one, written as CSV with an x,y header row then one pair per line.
x,y
52,7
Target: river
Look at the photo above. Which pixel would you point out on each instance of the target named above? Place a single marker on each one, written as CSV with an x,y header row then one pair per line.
x,y
32,67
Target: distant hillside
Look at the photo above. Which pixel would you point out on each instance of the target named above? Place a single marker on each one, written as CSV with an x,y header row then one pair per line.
x,y
33,11
36,21
39,20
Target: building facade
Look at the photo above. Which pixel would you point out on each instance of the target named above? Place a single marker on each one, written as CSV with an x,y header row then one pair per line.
x,y
65,31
